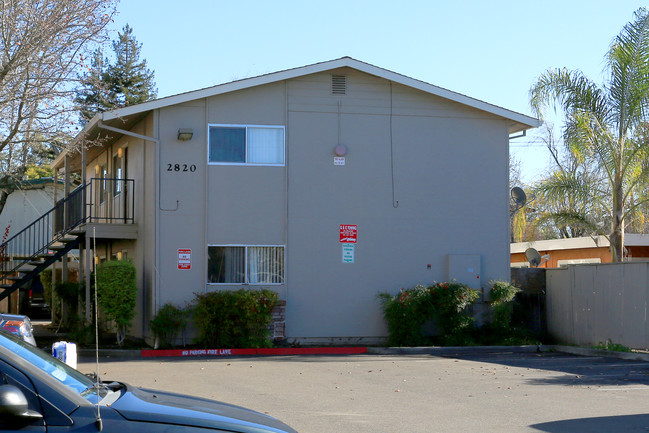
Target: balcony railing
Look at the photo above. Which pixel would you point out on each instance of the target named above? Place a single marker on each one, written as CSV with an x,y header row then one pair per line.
x,y
102,200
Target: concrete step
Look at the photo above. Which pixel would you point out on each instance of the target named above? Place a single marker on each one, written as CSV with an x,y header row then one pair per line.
x,y
78,231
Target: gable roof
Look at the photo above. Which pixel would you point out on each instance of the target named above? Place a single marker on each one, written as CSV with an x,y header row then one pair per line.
x,y
519,122
128,116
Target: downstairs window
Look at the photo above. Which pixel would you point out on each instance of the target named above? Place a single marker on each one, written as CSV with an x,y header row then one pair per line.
x,y
245,264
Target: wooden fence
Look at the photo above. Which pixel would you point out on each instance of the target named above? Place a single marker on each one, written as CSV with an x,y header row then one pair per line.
x,y
591,304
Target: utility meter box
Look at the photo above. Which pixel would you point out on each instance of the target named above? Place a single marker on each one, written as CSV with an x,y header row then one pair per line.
x,y
465,269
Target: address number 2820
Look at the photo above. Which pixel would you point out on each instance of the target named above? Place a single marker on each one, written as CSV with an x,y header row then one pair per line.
x,y
182,167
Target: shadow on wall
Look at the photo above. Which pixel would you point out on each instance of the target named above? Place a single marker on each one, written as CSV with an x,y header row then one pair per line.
x,y
529,308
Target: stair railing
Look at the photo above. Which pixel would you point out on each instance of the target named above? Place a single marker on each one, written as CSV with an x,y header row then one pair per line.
x,y
36,238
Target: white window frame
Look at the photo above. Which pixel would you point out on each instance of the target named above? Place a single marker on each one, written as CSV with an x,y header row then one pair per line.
x,y
246,163
245,265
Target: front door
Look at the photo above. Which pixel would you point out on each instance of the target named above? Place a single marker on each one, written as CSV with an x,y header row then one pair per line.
x,y
120,190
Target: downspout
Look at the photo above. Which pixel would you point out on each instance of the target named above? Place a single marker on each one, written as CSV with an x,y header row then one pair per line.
x,y
524,134
286,199
84,261
206,185
56,197
66,216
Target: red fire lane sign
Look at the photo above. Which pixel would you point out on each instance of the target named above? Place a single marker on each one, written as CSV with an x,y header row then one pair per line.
x,y
348,233
184,258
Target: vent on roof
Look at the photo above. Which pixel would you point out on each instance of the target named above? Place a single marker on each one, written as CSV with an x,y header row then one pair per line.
x,y
338,85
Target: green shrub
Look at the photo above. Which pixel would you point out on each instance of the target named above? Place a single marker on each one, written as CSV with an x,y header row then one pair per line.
x,y
117,293
450,302
69,293
407,312
234,319
502,292
501,296
166,325
46,280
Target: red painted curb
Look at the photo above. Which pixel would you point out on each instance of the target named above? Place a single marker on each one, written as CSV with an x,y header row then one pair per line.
x,y
265,352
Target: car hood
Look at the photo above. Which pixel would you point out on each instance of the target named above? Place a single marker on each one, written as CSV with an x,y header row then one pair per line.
x,y
137,404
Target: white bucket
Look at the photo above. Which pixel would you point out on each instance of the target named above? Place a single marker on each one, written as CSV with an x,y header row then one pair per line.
x,y
66,352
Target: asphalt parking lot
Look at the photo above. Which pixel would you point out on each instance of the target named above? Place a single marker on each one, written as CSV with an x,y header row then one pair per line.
x,y
499,390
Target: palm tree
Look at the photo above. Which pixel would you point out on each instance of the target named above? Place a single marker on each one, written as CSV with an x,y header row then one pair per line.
x,y
603,126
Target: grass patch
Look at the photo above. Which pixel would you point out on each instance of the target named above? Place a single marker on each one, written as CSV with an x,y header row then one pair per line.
x,y
614,347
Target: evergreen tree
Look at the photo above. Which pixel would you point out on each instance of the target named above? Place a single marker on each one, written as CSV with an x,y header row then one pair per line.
x,y
128,81
131,82
93,96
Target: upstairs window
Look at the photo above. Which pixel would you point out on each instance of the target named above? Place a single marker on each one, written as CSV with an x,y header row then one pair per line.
x,y
236,144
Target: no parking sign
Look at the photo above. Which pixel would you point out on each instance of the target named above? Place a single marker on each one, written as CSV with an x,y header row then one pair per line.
x,y
184,259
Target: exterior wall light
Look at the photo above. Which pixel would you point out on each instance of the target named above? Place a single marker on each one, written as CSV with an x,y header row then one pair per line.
x,y
185,134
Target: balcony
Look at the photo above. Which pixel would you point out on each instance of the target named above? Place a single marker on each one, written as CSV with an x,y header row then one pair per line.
x,y
103,205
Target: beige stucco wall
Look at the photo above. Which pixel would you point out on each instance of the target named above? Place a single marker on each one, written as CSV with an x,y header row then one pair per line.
x,y
423,179
449,169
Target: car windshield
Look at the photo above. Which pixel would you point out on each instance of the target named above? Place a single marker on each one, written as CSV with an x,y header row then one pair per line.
x,y
60,371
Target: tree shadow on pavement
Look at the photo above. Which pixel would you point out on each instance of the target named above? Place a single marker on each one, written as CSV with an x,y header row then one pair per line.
x,y
578,370
607,424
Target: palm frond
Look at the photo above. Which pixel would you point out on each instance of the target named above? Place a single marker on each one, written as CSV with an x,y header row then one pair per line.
x,y
629,71
571,218
571,90
578,187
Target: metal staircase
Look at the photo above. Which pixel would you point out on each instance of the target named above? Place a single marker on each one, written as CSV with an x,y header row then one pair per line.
x,y
43,242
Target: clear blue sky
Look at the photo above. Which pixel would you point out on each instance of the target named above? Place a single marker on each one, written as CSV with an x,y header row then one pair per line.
x,y
492,51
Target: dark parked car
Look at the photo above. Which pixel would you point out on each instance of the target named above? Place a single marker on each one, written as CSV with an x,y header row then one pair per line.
x,y
40,393
32,300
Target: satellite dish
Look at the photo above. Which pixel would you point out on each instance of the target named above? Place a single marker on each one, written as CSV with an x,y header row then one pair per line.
x,y
535,258
519,197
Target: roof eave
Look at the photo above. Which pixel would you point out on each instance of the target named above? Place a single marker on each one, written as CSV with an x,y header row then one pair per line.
x,y
60,159
520,122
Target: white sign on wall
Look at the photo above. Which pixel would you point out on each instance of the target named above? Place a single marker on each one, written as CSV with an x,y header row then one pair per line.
x,y
339,160
348,253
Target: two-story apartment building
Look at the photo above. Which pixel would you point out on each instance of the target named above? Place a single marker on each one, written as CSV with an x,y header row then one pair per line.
x,y
327,183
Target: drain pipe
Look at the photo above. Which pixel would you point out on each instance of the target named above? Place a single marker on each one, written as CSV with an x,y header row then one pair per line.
x,y
524,134
102,125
